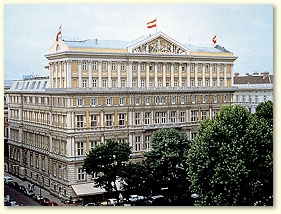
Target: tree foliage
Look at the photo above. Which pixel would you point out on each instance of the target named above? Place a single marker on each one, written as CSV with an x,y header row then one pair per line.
x,y
230,160
166,160
107,159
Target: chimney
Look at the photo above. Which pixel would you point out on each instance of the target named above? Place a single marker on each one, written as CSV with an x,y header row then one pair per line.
x,y
236,74
265,74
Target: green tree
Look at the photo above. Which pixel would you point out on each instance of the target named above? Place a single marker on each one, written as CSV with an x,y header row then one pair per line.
x,y
166,160
230,157
108,159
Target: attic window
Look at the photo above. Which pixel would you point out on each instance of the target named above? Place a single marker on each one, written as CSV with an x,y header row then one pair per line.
x,y
58,47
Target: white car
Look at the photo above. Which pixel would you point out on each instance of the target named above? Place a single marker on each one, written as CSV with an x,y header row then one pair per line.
x,y
8,179
110,202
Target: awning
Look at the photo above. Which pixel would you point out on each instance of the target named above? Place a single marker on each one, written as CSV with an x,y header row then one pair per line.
x,y
87,189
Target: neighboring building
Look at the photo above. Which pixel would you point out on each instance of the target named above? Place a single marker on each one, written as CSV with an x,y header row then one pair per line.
x,y
7,86
253,89
100,90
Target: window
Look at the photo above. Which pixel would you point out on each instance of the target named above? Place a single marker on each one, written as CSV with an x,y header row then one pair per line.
x,y
134,83
80,121
104,83
173,116
150,83
80,148
84,65
81,174
113,83
193,98
84,83
79,101
133,66
147,118
215,98
137,100
121,101
192,68
121,119
167,67
237,98
214,82
182,116
182,99
93,120
142,82
159,84
142,67
203,115
250,98
206,82
221,82
122,66
123,83
147,142
183,83
138,143
199,82
206,68
93,101
256,98
157,117
163,117
224,98
175,67
94,83
193,115
108,101
137,118
264,98
199,68
173,99
93,144
167,83
103,66
158,67
215,112
175,83
94,65
192,82
108,118
113,66
147,100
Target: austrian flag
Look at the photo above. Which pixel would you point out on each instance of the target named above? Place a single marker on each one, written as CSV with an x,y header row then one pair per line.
x,y
151,24
59,33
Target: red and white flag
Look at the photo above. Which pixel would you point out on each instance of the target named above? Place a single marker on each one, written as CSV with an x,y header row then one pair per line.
x,y
59,33
214,39
151,24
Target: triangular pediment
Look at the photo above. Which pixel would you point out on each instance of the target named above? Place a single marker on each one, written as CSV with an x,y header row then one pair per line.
x,y
158,43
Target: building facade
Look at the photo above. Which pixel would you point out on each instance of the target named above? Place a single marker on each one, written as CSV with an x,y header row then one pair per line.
x,y
252,89
99,90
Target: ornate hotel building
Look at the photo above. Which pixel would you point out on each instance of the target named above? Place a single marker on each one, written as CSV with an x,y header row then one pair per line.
x,y
99,90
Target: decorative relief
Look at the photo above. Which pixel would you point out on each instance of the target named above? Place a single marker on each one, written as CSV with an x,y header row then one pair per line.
x,y
160,45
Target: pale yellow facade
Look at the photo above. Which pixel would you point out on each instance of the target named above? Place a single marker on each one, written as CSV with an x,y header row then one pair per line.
x,y
95,93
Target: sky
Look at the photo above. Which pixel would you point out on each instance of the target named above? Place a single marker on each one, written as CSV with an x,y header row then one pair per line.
x,y
246,30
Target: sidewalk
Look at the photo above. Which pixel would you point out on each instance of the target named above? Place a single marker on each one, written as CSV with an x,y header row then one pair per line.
x,y
44,193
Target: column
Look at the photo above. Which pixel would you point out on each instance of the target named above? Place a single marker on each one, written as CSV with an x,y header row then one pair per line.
x,y
155,75
203,75
60,85
129,74
188,74
51,74
218,76
224,75
109,75
79,74
147,75
164,75
90,70
196,74
99,74
139,75
56,74
211,75
65,74
180,75
118,75
69,77
172,74
231,69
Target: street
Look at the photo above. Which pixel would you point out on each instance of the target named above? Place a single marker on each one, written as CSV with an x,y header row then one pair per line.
x,y
19,197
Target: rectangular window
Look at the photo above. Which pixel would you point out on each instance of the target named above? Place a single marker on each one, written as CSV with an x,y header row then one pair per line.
x,y
194,115
81,174
123,83
173,116
138,143
158,67
175,67
94,65
159,84
94,121
108,118
104,83
133,66
147,143
175,83
215,98
134,83
121,119
182,99
80,148
108,101
167,83
163,117
193,98
206,82
94,83
224,98
113,83
215,112
204,98
157,117
93,144
137,118
84,65
84,83
147,118
80,121
121,101
113,66
192,82
147,100
182,116
203,115
142,82
93,101
142,67
79,101
173,99
103,66
183,83
137,100
199,82
192,67
167,66
122,66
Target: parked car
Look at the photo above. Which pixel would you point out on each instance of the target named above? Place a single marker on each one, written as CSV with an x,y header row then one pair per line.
x,y
12,203
21,188
156,200
14,185
110,202
91,204
37,197
29,193
8,179
44,201
53,203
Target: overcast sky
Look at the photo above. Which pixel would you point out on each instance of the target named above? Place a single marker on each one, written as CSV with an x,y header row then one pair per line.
x,y
29,30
